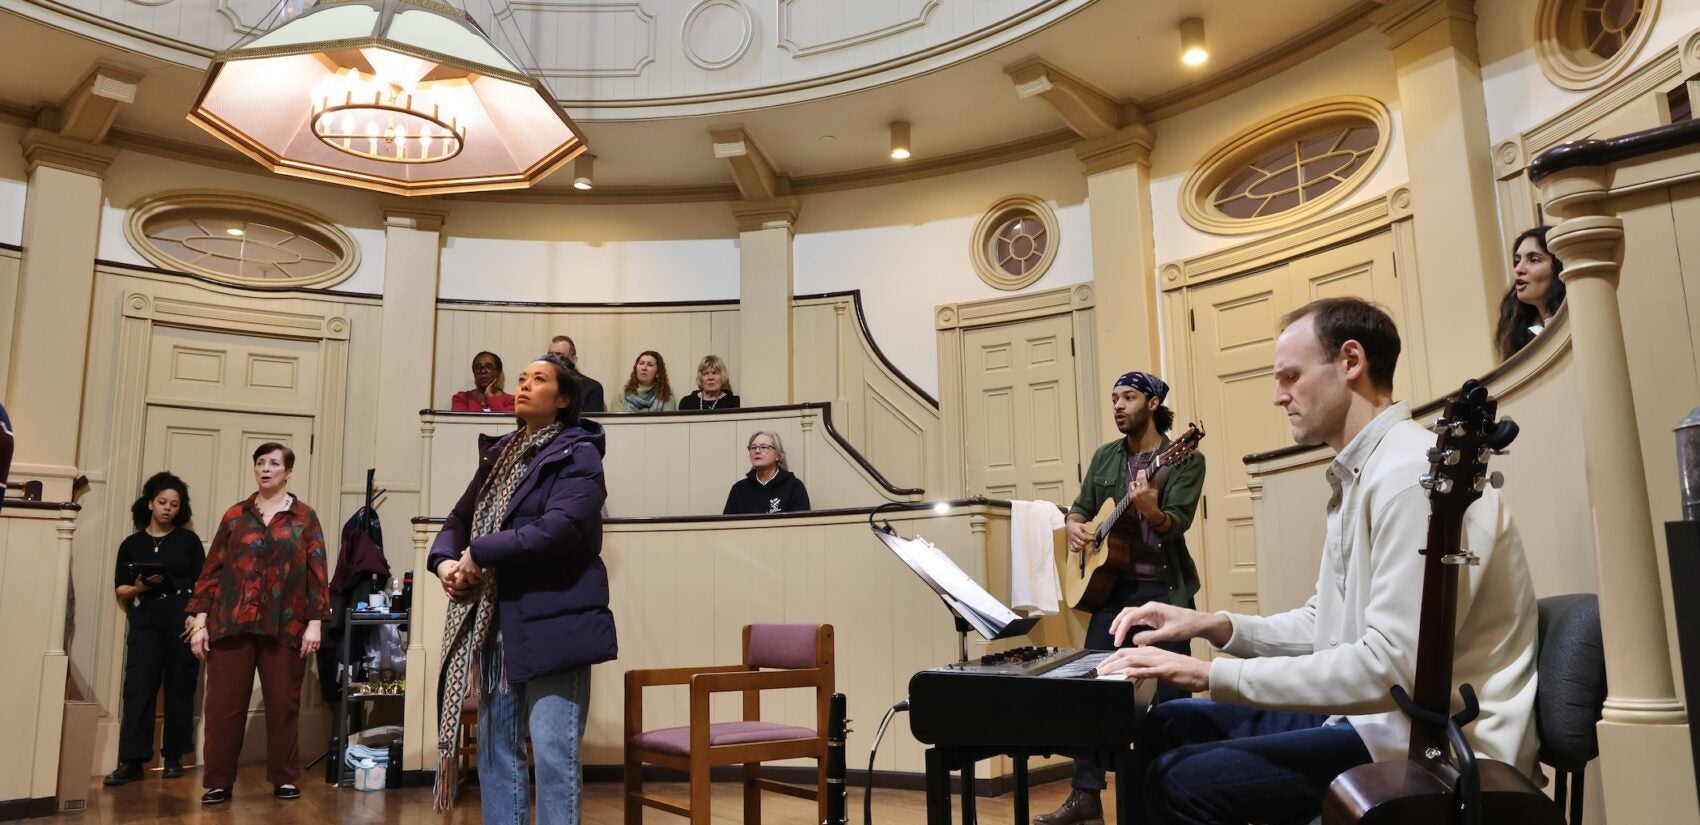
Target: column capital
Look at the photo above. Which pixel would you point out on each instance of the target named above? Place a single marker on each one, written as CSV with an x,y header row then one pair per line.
x,y
44,148
423,217
1127,146
770,213
1402,20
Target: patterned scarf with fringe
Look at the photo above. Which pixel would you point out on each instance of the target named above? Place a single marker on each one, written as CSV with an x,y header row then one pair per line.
x,y
468,630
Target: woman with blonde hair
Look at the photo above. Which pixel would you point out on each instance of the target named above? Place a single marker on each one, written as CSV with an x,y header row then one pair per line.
x,y
769,487
647,388
714,387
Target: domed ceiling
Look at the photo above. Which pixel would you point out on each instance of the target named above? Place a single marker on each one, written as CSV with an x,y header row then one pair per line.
x,y
815,82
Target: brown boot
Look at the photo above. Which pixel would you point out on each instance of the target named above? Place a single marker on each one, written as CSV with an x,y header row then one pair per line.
x,y
1082,807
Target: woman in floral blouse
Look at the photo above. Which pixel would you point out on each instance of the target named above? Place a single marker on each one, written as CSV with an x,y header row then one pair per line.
x,y
258,606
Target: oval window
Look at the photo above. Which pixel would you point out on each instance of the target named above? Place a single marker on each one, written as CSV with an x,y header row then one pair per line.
x,y
1287,168
241,241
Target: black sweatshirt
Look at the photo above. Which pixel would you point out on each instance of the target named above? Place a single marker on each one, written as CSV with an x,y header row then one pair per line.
x,y
784,493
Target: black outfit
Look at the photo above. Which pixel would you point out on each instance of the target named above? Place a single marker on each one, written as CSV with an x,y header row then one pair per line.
x,y
784,493
593,400
155,652
694,401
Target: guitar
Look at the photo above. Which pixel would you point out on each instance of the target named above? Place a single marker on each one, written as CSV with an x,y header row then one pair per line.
x,y
1090,572
1442,782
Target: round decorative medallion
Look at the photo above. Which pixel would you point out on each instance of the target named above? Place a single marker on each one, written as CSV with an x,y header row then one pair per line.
x,y
716,33
1015,242
1583,44
1287,168
240,240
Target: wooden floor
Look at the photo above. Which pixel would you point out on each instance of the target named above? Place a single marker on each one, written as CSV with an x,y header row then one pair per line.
x,y
174,801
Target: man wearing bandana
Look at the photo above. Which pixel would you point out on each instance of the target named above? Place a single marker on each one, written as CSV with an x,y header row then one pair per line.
x,y
1163,569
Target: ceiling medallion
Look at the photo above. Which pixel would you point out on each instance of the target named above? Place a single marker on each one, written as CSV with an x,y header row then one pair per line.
x,y
406,97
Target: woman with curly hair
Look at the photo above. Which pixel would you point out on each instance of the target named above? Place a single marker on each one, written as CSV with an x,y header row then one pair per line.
x,y
647,389
155,576
1535,295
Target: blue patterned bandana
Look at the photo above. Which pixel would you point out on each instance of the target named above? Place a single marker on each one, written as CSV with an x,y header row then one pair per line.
x,y
1144,382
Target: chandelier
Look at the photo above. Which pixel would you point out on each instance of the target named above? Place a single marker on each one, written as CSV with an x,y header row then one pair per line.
x,y
406,97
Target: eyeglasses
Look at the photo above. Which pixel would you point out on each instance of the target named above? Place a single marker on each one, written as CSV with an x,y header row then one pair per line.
x,y
756,448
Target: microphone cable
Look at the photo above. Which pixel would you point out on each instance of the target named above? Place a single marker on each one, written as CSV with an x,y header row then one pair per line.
x,y
867,794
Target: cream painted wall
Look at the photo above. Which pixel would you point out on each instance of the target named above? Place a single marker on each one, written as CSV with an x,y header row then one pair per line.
x,y
514,252
1359,66
13,177
133,177
1518,94
906,247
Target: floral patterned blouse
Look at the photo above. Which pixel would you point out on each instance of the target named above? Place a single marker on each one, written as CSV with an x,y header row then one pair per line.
x,y
268,580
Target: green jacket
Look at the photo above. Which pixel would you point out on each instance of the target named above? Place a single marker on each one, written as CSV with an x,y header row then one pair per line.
x,y
1106,478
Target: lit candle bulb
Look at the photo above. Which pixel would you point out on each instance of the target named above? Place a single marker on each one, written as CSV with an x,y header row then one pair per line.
x,y
372,137
425,143
347,128
400,138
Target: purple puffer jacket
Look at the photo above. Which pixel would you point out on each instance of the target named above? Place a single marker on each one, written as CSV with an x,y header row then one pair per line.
x,y
551,585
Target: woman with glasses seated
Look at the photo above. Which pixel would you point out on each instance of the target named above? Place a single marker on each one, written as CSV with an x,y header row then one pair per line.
x,y
486,394
770,487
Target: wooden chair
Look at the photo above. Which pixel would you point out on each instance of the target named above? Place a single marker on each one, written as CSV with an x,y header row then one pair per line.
x,y
775,656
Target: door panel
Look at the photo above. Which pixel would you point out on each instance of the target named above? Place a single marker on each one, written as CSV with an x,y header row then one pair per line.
x,y
1233,349
1020,413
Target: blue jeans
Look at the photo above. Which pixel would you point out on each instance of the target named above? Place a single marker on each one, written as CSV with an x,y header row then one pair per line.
x,y
1088,775
555,709
1221,764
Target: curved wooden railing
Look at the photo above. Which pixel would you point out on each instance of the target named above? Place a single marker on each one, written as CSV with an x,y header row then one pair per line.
x,y
1581,153
824,409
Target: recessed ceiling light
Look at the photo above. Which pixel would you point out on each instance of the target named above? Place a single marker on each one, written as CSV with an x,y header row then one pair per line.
x,y
234,231
827,138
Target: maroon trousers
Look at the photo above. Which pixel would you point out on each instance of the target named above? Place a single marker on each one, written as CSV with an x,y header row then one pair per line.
x,y
231,663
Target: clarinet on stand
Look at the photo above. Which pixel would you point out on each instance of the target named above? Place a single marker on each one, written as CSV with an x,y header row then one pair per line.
x,y
837,791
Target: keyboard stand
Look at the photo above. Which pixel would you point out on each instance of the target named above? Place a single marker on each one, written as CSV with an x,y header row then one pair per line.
x,y
942,760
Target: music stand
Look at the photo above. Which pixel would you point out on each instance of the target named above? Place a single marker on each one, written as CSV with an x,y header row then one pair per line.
x,y
969,604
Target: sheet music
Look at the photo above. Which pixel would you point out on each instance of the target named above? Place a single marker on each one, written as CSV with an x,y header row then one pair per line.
x,y
988,616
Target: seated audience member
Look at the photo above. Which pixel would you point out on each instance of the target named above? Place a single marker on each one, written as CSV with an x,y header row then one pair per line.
x,y
486,394
1303,695
1536,293
563,346
647,389
714,387
770,487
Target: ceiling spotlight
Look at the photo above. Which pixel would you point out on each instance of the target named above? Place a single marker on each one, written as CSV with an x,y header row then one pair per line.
x,y
584,171
1193,50
234,231
900,140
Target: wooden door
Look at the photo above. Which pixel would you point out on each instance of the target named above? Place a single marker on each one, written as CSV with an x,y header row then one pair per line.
x,y
1234,325
1019,413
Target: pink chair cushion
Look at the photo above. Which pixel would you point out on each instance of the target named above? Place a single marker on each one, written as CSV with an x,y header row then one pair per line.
x,y
678,740
787,646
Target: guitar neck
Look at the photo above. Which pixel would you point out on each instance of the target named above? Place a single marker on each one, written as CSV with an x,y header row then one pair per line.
x,y
1437,636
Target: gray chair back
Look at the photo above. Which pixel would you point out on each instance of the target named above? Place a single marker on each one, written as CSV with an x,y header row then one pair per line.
x,y
1572,687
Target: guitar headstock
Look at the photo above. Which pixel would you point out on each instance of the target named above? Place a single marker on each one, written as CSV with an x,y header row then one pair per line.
x,y
1182,445
1466,436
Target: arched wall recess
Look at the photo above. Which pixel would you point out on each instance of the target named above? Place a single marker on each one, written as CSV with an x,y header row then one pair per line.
x,y
1584,44
240,240
1288,167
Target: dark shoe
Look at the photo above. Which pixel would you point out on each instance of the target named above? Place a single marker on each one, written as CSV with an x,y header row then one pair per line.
x,y
1080,808
286,792
216,796
173,768
127,772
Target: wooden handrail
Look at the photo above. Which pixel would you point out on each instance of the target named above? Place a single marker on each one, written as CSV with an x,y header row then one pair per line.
x,y
888,507
1581,153
825,416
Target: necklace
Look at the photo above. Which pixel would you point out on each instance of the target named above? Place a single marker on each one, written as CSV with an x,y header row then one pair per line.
x,y
709,405
157,540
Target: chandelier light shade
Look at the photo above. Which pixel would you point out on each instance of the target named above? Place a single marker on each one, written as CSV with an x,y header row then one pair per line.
x,y
406,97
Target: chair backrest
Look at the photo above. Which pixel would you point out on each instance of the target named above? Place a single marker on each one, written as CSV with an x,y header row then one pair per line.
x,y
1572,680
787,646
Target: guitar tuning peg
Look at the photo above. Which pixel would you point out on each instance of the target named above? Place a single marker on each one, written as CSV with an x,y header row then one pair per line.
x,y
1496,480
1441,484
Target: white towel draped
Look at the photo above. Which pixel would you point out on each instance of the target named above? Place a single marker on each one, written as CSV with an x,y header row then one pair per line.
x,y
1033,585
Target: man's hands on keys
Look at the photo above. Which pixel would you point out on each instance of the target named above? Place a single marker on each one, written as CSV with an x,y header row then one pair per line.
x,y
1165,623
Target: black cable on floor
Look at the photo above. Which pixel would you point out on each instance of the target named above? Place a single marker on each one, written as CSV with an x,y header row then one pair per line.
x,y
867,795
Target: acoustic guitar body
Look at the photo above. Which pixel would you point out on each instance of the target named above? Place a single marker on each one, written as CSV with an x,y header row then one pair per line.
x,y
1090,572
1407,793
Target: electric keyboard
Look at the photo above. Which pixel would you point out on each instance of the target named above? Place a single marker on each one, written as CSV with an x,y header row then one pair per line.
x,y
1029,698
